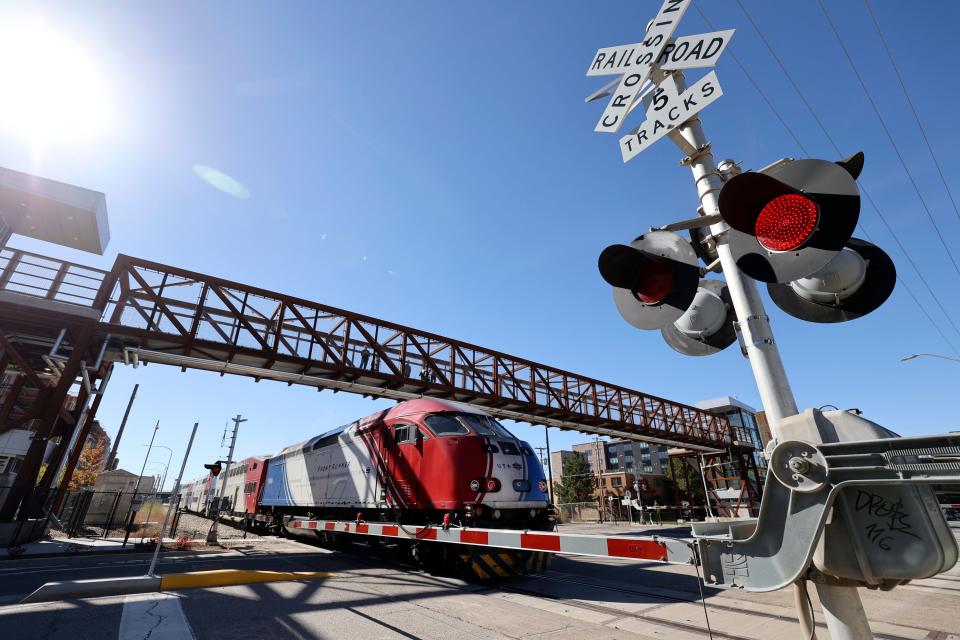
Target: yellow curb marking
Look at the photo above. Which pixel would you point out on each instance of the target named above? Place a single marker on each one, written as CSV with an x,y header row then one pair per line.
x,y
228,577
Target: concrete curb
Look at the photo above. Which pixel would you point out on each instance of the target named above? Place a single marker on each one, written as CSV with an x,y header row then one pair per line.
x,y
73,589
96,588
229,577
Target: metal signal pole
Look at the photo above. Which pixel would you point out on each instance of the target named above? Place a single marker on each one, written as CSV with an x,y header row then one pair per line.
x,y
842,608
123,424
212,534
170,507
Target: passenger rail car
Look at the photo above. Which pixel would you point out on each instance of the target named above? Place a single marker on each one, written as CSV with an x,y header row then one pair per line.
x,y
413,463
243,484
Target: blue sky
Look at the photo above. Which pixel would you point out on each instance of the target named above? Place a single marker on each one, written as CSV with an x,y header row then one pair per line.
x,y
435,165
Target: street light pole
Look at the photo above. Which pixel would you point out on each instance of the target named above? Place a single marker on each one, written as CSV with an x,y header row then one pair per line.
x,y
163,481
929,355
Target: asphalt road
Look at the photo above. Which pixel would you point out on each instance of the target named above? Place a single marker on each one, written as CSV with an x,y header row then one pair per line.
x,y
372,598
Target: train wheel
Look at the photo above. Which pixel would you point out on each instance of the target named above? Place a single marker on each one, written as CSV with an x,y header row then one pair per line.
x,y
430,556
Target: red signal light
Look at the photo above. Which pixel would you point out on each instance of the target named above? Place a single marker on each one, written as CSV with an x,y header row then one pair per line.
x,y
653,283
786,222
493,485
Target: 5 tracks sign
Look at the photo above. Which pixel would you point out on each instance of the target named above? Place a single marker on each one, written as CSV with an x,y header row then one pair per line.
x,y
667,106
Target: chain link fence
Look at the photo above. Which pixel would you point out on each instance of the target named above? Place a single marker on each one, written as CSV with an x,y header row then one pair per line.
x,y
616,511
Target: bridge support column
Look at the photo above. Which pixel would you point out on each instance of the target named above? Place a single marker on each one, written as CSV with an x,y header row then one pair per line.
x,y
22,494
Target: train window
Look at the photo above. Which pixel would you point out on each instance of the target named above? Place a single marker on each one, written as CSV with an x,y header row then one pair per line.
x,y
485,425
404,433
445,424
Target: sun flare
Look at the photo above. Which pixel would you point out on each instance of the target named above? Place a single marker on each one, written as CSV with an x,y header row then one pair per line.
x,y
50,88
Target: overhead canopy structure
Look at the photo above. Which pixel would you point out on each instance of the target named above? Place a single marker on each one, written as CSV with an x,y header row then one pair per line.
x,y
53,211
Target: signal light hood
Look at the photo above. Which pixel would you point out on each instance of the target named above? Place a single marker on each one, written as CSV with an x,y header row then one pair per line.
x,y
654,279
829,185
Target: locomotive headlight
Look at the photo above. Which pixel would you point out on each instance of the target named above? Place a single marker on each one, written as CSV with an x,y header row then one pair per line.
x,y
493,485
474,485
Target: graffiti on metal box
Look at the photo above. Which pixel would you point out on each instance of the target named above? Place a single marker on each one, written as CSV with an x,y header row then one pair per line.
x,y
892,519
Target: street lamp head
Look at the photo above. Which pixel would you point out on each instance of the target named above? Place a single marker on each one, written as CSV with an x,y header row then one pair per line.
x,y
910,357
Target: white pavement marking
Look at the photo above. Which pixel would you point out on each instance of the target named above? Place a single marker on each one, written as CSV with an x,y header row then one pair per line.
x,y
155,616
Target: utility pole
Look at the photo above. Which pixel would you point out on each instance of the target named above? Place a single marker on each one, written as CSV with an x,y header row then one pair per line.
x,y
596,453
540,451
546,433
136,487
123,424
212,534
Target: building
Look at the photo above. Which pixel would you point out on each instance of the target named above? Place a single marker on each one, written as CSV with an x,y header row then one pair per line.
x,y
620,465
727,488
113,494
650,487
630,456
742,417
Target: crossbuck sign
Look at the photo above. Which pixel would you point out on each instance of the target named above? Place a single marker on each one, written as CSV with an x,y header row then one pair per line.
x,y
665,106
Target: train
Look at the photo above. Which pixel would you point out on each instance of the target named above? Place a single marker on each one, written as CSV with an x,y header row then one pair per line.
x,y
418,462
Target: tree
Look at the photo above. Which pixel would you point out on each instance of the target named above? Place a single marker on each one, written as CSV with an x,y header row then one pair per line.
x,y
577,481
89,466
679,473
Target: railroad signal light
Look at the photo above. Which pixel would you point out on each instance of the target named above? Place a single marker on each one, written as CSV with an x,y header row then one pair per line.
x,y
214,468
707,326
654,278
857,281
792,220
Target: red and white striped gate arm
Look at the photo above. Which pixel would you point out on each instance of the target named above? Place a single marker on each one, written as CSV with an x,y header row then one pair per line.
x,y
668,550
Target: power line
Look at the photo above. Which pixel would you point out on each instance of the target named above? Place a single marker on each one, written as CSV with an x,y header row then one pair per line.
x,y
756,86
883,125
913,109
923,310
866,193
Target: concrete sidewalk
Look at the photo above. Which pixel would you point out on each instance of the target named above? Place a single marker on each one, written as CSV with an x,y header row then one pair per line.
x,y
65,546
99,587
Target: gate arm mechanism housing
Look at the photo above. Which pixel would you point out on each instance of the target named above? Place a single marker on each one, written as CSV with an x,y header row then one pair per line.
x,y
856,507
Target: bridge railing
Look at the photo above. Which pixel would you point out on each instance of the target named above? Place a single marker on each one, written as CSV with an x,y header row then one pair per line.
x,y
204,316
201,316
40,276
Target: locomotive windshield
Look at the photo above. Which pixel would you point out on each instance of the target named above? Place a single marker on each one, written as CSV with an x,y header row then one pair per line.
x,y
449,424
485,425
445,424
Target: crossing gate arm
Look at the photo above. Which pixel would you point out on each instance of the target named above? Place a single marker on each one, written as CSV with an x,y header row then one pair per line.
x,y
652,548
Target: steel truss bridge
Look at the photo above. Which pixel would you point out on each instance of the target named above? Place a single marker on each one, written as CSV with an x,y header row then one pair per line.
x,y
64,324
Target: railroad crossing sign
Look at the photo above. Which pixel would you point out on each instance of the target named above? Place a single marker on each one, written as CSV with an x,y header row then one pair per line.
x,y
669,109
652,59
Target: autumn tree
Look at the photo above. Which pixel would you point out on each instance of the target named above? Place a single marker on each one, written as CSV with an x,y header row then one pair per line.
x,y
89,466
92,458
